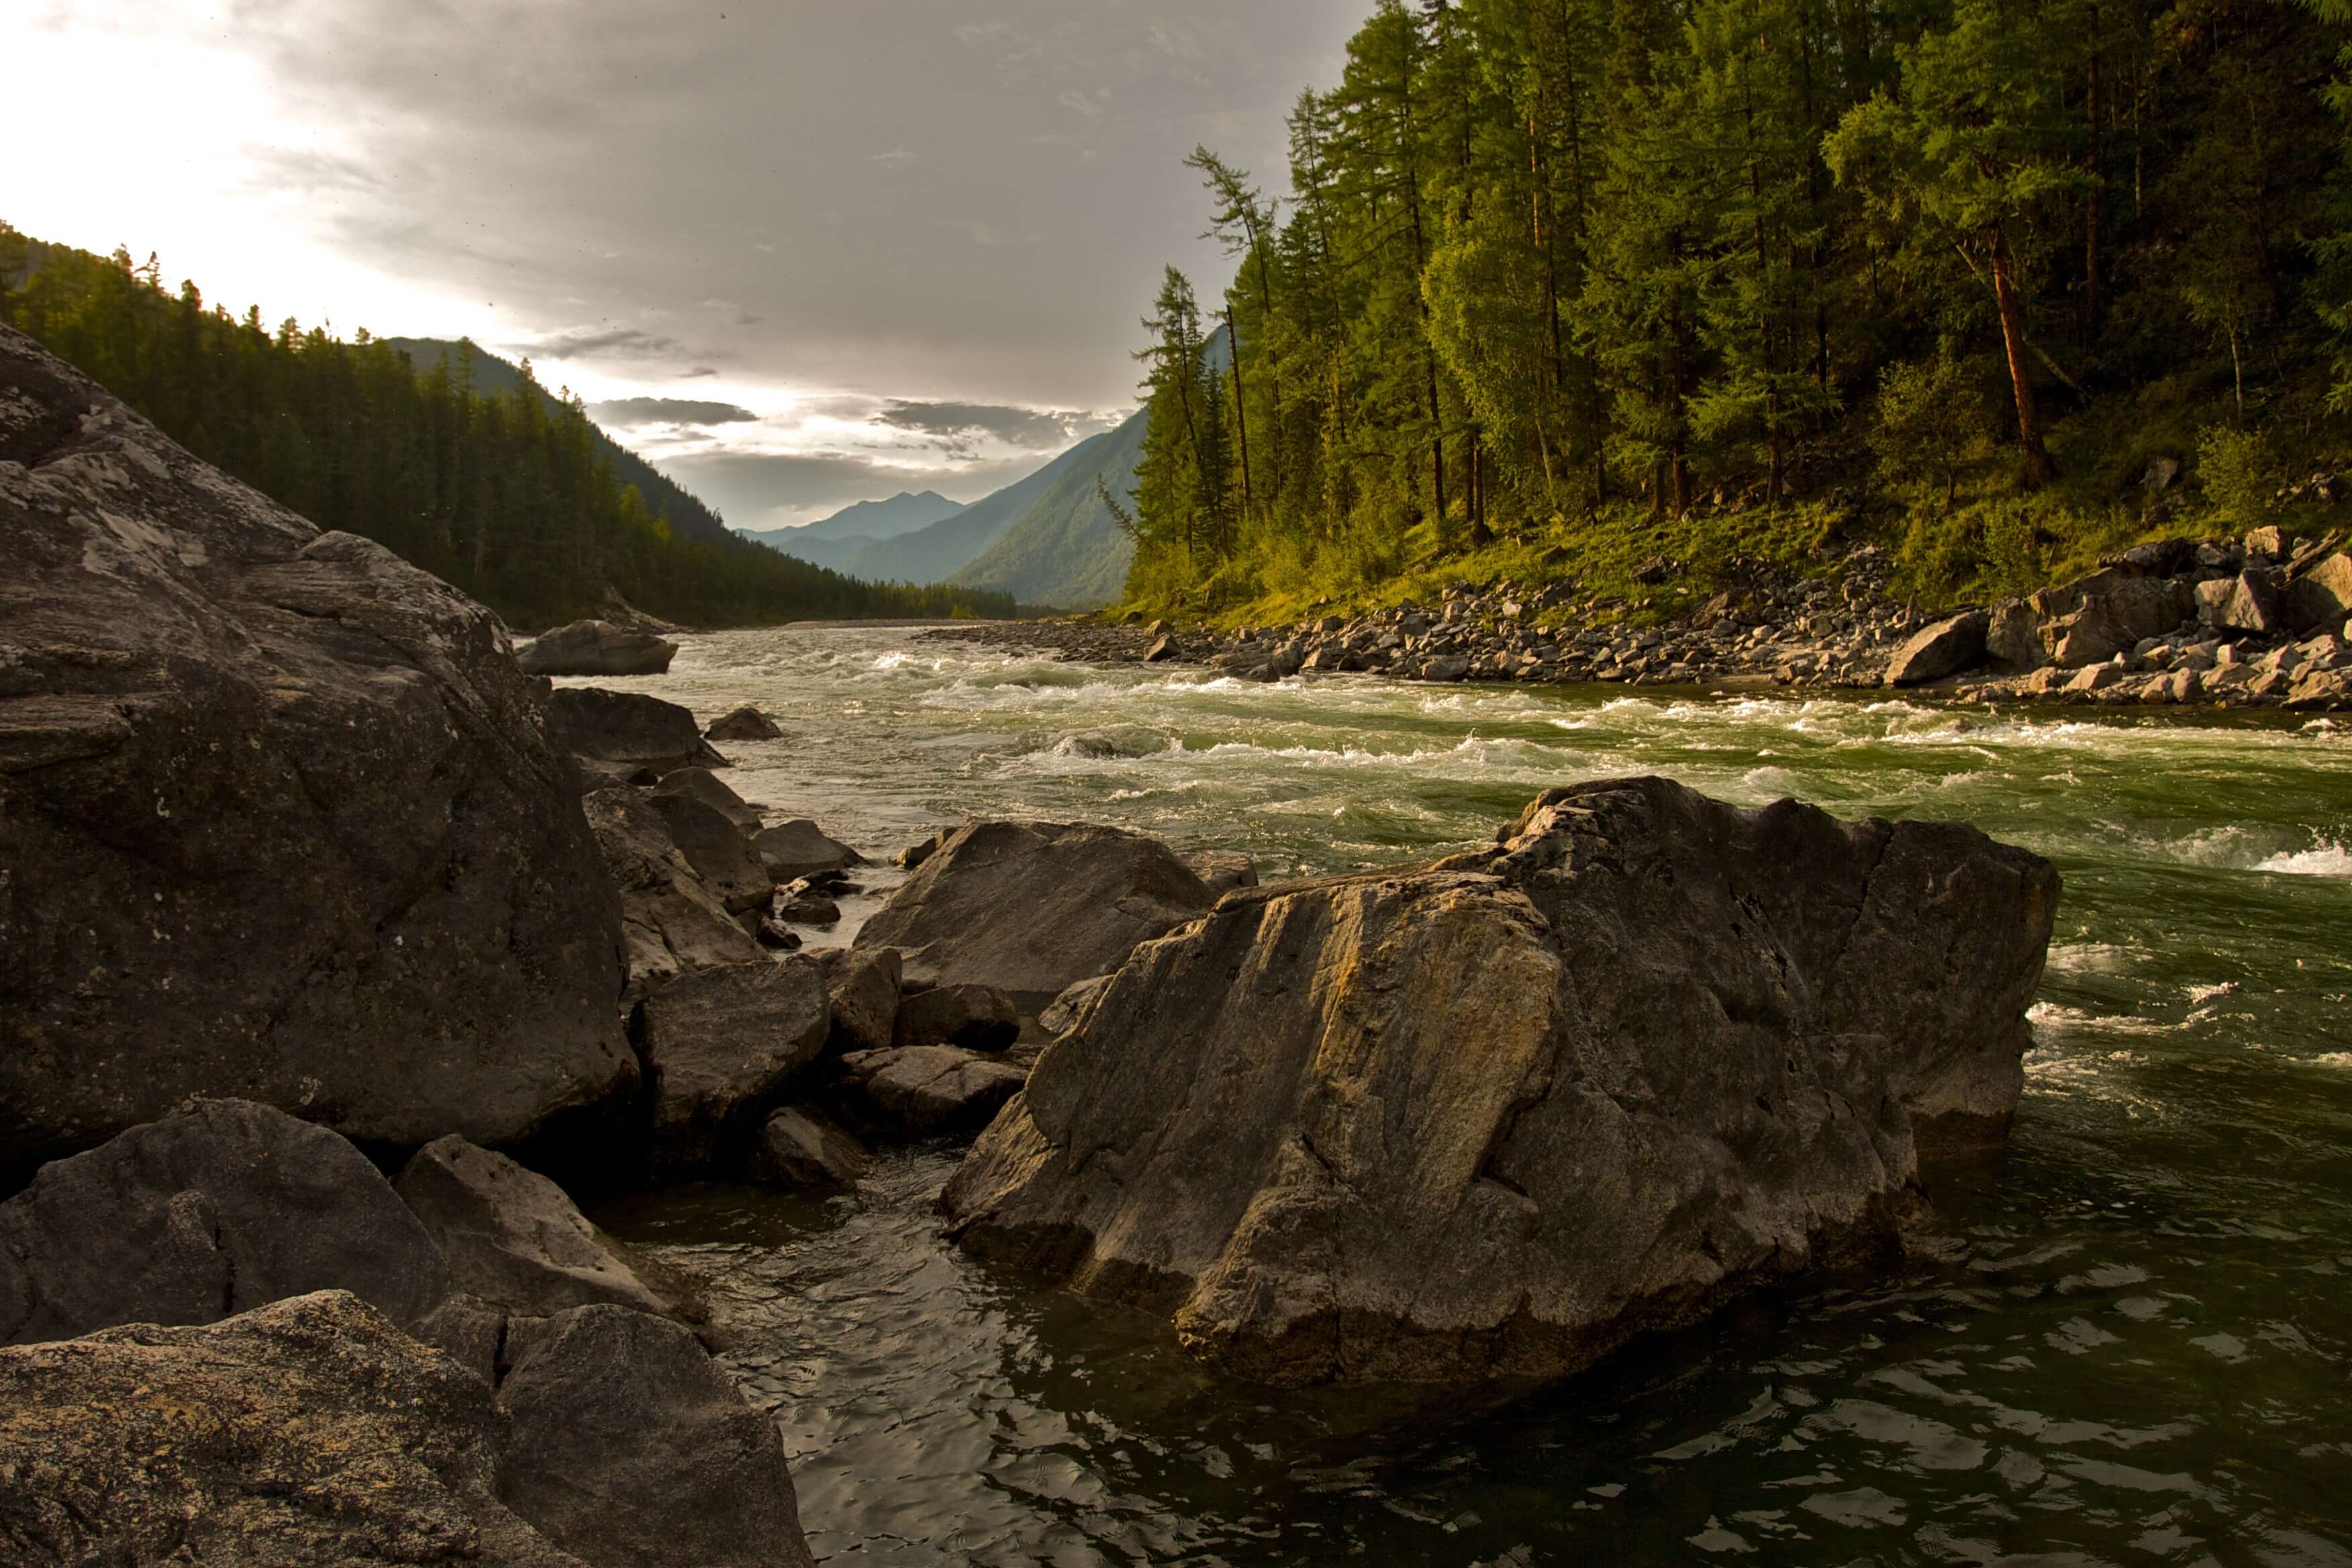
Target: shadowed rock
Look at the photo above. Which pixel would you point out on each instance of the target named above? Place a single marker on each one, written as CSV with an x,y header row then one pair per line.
x,y
791,850
672,923
596,648
722,1046
744,723
721,857
1649,1053
799,1148
976,1017
862,987
927,1090
309,1432
282,821
626,730
2320,597
1033,907
511,1238
708,788
226,1207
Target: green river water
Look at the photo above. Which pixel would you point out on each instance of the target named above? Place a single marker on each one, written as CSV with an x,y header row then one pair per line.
x,y
2128,1340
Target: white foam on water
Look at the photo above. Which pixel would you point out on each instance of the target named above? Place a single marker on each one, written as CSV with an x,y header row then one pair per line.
x,y
2342,1059
2328,858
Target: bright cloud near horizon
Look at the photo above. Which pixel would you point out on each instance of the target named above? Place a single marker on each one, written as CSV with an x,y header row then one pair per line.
x,y
799,254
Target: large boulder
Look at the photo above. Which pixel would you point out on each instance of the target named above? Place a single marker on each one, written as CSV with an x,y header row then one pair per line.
x,y
2014,636
278,812
862,989
631,1448
625,730
721,1047
928,1092
791,850
672,923
511,1239
2091,619
1650,1052
800,1148
711,790
976,1017
596,648
2249,602
309,1432
1031,907
744,723
2320,597
1950,646
717,849
224,1207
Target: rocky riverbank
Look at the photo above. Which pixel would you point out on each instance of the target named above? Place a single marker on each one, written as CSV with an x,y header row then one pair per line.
x,y
2265,621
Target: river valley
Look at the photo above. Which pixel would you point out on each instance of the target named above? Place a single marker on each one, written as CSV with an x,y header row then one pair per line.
x,y
2125,1341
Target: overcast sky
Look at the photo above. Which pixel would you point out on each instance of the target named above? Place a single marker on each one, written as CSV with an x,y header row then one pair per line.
x,y
801,253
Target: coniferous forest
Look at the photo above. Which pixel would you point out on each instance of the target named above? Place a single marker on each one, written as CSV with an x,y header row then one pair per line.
x,y
1638,289
505,494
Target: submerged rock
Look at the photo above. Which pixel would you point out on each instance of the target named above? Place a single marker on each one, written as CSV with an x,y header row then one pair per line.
x,y
282,820
1033,905
720,1047
631,1448
227,1206
596,648
799,1148
511,1238
310,1431
711,790
1649,1053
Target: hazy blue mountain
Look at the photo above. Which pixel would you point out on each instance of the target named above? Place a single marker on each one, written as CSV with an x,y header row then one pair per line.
x,y
902,514
1063,550
688,518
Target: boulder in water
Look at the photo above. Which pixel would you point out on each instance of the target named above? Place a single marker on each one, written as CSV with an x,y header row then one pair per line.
x,y
1221,871
792,850
721,1048
281,819
799,1148
631,1448
596,648
1648,1054
224,1207
744,723
310,1431
717,849
511,1238
711,790
673,924
626,731
927,1090
1032,906
977,1018
862,987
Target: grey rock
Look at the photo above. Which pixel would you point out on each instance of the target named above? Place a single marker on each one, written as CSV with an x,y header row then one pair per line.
x,y
862,989
1709,1047
220,1209
1066,1010
744,723
715,848
2014,636
281,818
2091,619
711,790
721,1048
1163,648
976,1017
672,923
928,1090
2269,542
914,855
309,1432
1949,647
1446,667
2320,597
799,1148
1221,871
791,850
632,1449
468,1330
511,1238
626,729
596,648
2249,602
805,908
1031,907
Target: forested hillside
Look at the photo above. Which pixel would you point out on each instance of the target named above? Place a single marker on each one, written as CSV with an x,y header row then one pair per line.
x,y
508,495
1635,290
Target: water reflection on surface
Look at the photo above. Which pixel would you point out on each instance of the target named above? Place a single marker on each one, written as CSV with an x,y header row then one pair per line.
x,y
2123,1342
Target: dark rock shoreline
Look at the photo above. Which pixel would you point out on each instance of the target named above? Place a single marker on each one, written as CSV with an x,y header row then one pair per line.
x,y
2262,622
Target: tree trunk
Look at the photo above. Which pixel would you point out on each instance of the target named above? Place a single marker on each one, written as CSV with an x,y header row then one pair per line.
x,y
2039,470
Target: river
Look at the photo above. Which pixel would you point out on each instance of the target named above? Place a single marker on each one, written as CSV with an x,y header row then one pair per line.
x,y
2128,1340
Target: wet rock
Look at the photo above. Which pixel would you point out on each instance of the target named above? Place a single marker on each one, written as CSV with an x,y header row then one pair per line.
x,y
1221,871
2321,594
721,857
706,786
309,1432
1648,1053
805,908
744,723
776,936
977,1018
914,855
282,819
511,1238
596,648
799,1148
791,850
862,989
673,924
1031,907
928,1090
721,1048
1064,1011
626,730
632,1449
217,1210
1946,648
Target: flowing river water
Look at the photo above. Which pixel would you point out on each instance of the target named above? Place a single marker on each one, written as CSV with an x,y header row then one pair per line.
x,y
2128,1340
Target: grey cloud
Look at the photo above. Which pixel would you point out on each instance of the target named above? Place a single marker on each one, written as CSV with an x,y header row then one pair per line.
x,y
631,411
603,342
1014,427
